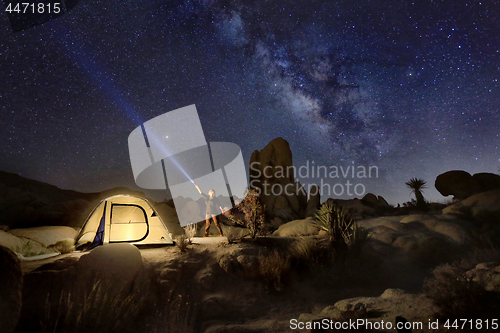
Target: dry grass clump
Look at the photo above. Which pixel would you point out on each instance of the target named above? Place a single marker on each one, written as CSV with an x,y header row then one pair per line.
x,y
106,309
274,268
190,232
100,310
182,243
177,316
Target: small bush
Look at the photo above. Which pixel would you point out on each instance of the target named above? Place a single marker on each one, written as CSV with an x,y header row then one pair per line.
x,y
181,242
190,231
254,212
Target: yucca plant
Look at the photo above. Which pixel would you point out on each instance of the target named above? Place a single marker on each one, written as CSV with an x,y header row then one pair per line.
x,y
340,225
416,185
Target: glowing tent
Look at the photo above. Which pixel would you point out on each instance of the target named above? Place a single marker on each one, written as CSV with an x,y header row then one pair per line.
x,y
122,219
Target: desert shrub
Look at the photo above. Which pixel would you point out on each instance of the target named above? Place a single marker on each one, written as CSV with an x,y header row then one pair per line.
x,y
341,228
190,231
254,218
181,242
274,268
456,295
410,204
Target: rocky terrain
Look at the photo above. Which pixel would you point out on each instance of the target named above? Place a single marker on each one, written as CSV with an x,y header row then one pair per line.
x,y
423,267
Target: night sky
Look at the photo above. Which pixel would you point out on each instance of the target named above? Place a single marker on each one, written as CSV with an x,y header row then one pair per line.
x,y
411,87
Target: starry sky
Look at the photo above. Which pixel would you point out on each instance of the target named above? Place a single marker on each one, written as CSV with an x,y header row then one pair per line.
x,y
411,87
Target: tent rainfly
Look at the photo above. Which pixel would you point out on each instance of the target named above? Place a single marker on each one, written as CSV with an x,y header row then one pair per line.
x,y
122,219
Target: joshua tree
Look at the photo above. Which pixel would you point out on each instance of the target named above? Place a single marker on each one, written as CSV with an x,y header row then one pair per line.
x,y
416,185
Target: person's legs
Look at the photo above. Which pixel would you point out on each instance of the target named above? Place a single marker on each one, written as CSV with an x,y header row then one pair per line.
x,y
217,225
207,220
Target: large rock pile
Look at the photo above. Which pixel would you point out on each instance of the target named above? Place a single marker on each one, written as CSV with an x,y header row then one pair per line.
x,y
272,173
462,185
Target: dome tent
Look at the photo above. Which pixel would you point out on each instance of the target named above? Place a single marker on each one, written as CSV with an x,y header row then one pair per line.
x,y
122,219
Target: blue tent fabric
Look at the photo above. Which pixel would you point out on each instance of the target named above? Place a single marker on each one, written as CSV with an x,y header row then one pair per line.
x,y
99,236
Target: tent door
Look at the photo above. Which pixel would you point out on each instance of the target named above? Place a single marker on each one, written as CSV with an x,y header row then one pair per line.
x,y
128,223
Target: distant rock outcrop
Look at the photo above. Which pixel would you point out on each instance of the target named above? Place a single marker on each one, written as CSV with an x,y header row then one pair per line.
x,y
272,173
462,185
11,282
372,200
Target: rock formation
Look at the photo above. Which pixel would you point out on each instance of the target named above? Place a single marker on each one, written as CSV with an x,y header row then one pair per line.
x,y
462,185
272,173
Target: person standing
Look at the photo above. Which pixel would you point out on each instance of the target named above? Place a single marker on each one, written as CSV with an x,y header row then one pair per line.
x,y
211,211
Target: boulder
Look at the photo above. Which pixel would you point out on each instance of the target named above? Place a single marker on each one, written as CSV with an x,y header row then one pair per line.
x,y
382,202
11,283
487,181
10,241
457,183
272,174
371,199
297,228
462,185
115,265
47,236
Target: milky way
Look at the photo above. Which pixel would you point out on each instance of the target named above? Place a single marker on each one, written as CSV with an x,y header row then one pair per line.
x,y
411,87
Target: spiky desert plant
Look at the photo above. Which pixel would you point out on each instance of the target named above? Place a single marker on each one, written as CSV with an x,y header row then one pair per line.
x,y
340,225
416,185
254,211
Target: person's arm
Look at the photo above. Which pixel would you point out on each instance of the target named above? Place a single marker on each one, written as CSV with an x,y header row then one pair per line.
x,y
199,191
222,210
